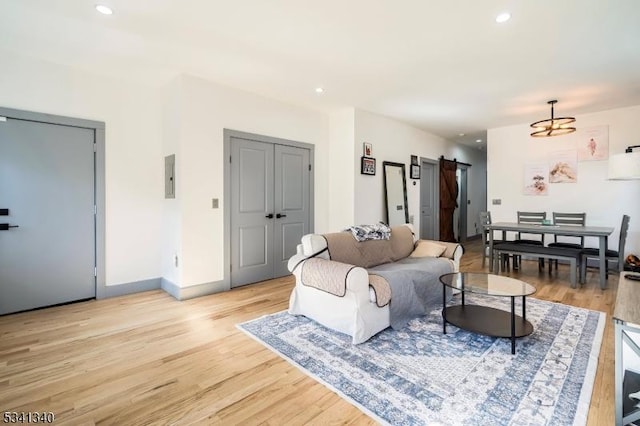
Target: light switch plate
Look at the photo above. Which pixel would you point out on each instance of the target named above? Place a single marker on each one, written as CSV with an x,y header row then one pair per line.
x,y
496,201
214,203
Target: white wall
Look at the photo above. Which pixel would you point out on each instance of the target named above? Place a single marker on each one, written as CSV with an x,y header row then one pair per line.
x,y
206,109
341,174
144,232
132,115
172,207
604,201
395,141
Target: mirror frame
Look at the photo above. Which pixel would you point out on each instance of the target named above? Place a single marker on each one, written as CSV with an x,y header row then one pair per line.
x,y
404,189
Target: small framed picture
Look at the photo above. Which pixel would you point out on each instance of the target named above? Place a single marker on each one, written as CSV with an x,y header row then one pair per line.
x,y
415,171
367,166
367,149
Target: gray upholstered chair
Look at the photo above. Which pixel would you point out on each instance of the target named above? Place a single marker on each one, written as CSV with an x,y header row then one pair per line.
x,y
567,219
611,255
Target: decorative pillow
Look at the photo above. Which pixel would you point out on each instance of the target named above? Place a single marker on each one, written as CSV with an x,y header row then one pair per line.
x,y
428,249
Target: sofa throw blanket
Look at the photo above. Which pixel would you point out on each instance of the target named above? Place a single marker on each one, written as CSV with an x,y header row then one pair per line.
x,y
342,247
379,231
415,287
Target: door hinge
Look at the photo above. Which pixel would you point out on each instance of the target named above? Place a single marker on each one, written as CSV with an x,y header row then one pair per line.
x,y
94,147
3,118
309,167
229,159
95,209
95,272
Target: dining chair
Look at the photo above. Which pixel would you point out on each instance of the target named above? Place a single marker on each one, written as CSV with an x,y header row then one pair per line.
x,y
567,219
485,219
530,218
610,255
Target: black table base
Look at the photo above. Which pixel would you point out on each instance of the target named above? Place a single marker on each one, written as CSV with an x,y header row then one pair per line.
x,y
488,321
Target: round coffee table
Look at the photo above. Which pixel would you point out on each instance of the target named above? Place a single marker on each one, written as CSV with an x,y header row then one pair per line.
x,y
483,319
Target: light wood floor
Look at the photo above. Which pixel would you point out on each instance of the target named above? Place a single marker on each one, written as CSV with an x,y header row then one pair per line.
x,y
149,359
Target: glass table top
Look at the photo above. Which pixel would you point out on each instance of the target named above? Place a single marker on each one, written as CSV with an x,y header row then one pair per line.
x,y
488,284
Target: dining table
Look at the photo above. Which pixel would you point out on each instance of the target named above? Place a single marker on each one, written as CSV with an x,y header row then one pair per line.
x,y
601,232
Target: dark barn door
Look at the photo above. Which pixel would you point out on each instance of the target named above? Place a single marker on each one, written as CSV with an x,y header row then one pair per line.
x,y
448,197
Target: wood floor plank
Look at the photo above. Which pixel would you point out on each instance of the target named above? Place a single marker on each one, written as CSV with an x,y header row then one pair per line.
x,y
150,359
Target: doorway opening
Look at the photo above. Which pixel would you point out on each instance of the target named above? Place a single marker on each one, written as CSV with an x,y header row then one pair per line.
x,y
461,212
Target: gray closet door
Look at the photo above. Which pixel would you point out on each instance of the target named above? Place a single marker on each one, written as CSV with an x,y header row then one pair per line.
x,y
291,203
429,201
252,201
47,183
270,208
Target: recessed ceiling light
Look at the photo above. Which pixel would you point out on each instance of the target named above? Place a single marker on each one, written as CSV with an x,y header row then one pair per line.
x,y
319,90
460,134
503,17
478,140
105,10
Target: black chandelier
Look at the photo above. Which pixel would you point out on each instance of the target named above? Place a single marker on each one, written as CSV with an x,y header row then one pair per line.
x,y
553,126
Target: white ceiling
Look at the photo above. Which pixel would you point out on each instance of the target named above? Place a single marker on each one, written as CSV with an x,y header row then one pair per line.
x,y
443,66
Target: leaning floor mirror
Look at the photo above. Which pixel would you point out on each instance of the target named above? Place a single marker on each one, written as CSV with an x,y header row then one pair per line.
x,y
395,193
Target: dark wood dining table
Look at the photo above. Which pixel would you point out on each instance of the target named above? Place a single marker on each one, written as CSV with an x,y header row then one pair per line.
x,y
601,232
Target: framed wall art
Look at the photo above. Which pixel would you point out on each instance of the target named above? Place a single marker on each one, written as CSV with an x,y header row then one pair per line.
x,y
367,149
563,166
415,171
593,143
367,166
535,179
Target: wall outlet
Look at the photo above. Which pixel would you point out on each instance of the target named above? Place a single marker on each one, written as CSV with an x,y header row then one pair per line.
x,y
496,201
410,218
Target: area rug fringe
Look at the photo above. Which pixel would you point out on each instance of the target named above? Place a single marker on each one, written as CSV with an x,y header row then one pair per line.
x,y
362,408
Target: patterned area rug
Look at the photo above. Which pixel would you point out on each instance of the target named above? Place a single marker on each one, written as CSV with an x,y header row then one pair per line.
x,y
418,375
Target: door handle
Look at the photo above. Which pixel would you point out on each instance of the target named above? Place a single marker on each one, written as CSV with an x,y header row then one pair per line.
x,y
269,216
278,216
6,226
